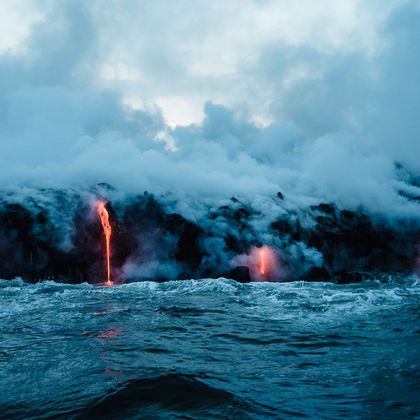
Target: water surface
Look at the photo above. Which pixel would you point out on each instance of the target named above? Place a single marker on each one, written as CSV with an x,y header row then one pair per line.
x,y
210,348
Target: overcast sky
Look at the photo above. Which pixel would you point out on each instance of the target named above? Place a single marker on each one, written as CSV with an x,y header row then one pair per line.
x,y
260,95
180,54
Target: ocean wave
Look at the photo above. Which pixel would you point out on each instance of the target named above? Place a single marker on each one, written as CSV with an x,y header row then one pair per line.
x,y
165,396
300,303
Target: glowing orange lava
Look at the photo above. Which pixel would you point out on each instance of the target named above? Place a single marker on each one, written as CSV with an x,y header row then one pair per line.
x,y
262,261
103,213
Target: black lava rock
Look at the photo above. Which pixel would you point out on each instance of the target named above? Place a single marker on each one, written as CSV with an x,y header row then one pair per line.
x,y
348,277
240,274
317,274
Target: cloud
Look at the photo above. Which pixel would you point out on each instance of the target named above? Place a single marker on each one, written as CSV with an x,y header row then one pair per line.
x,y
317,102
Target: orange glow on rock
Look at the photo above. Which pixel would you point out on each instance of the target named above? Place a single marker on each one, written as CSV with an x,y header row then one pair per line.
x,y
103,214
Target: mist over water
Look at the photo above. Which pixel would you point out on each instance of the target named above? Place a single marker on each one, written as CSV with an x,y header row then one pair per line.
x,y
210,348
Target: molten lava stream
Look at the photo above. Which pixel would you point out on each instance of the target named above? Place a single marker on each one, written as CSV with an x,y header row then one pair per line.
x,y
103,213
262,261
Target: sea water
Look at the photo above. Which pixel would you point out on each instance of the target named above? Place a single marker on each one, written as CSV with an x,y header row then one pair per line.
x,y
210,348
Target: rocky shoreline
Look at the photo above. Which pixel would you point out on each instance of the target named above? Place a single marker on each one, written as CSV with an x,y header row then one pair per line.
x,y
58,238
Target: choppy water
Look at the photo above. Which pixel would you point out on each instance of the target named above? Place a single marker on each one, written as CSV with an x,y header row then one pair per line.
x,y
210,349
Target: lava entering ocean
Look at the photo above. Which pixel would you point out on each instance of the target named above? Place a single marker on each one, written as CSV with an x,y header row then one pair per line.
x,y
263,264
103,213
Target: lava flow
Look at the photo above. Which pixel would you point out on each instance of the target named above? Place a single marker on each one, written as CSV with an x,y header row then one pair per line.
x,y
262,261
103,213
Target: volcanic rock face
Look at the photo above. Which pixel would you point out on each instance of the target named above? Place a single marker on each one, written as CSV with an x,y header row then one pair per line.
x,y
352,243
60,237
29,245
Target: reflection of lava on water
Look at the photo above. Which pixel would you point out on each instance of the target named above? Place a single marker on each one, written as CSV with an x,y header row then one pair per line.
x,y
108,337
263,264
111,332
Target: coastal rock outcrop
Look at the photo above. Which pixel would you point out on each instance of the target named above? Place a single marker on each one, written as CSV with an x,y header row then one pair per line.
x,y
60,238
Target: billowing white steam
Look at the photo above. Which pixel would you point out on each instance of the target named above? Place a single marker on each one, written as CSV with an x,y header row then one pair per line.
x,y
345,127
